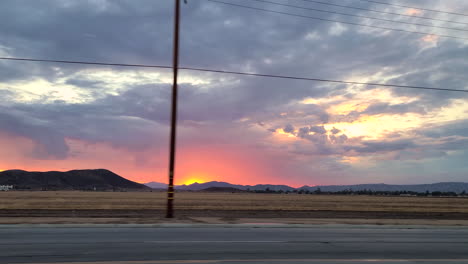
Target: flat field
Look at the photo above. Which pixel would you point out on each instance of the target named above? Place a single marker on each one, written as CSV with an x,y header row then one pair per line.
x,y
227,201
139,205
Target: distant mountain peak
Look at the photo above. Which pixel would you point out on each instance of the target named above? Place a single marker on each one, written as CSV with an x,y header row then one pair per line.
x,y
156,185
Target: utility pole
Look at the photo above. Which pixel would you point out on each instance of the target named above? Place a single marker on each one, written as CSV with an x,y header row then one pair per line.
x,y
170,188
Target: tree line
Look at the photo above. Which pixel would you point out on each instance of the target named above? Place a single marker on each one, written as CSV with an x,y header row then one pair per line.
x,y
364,192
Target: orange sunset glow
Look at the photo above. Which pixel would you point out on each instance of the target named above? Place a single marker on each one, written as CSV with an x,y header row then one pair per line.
x,y
234,163
192,180
194,164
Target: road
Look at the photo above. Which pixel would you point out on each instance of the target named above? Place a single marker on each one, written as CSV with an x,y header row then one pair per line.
x,y
233,244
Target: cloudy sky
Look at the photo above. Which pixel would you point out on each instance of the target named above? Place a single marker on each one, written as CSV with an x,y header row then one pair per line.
x,y
239,129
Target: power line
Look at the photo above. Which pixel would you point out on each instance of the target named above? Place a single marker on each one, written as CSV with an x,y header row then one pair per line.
x,y
336,21
419,8
87,63
382,12
367,17
234,72
324,80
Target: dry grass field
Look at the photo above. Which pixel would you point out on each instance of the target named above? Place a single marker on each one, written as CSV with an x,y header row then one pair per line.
x,y
75,200
74,207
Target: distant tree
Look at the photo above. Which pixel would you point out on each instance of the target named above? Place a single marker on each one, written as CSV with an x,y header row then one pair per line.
x,y
318,191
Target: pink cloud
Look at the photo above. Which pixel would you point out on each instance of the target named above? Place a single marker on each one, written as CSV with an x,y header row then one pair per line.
x,y
413,12
430,39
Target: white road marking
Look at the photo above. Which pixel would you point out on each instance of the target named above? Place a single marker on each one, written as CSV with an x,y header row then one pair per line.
x,y
337,261
212,241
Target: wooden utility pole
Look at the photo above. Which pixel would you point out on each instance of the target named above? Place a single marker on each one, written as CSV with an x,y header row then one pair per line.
x,y
170,188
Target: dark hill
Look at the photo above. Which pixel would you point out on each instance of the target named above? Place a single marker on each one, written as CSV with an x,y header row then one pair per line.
x,y
100,179
222,189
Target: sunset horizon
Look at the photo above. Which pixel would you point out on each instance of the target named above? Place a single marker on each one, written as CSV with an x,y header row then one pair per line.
x,y
191,180
287,101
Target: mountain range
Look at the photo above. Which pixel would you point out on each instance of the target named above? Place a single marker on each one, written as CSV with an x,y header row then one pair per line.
x,y
100,179
104,180
456,187
201,186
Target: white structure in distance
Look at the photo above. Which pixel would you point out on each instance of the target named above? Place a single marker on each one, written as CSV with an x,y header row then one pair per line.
x,y
6,187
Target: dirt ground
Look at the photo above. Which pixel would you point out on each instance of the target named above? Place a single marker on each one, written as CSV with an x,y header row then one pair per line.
x,y
197,207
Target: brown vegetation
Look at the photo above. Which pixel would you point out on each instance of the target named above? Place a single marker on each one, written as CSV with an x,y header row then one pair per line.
x,y
76,200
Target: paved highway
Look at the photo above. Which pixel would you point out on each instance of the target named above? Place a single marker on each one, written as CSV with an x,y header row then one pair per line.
x,y
232,244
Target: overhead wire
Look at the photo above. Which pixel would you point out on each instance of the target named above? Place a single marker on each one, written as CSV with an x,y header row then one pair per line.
x,y
336,21
87,63
418,8
360,16
234,72
382,12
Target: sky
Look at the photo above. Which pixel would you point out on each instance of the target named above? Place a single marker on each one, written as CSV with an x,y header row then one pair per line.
x,y
239,129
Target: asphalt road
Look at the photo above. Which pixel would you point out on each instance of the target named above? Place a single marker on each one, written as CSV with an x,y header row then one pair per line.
x,y
233,244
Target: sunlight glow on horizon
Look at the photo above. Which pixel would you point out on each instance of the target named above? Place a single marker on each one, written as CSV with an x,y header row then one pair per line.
x,y
192,178
192,181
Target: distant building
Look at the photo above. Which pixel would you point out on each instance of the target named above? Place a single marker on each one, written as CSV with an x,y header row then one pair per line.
x,y
6,187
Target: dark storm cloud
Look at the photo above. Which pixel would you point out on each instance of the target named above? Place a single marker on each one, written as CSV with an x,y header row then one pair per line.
x,y
341,139
88,30
335,131
131,120
50,142
386,108
303,131
126,31
87,84
458,128
451,144
288,128
442,67
329,56
379,146
318,129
